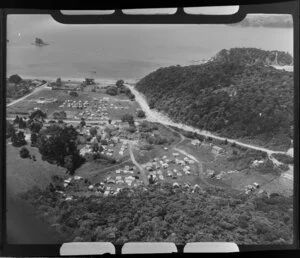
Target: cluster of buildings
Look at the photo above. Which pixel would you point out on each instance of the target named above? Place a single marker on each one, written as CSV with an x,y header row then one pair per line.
x,y
112,185
256,163
129,176
173,168
214,148
251,188
68,103
97,109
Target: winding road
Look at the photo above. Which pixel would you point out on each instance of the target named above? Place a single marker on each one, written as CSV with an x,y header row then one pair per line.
x,y
155,116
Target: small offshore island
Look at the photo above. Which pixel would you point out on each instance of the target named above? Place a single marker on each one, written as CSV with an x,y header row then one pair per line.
x,y
39,42
114,162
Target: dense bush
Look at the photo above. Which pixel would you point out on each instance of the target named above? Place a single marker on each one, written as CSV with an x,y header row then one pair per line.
x,y
73,93
141,114
164,214
15,78
112,90
286,159
58,145
24,153
232,95
128,118
18,139
60,115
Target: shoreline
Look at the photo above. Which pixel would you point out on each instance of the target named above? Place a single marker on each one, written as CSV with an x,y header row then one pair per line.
x,y
100,80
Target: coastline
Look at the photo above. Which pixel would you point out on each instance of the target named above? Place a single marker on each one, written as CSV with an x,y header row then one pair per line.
x,y
99,80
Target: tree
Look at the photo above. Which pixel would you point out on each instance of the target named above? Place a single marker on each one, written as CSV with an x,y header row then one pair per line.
x,y
131,96
73,93
35,125
56,142
33,139
16,120
82,122
128,118
22,124
151,104
24,153
119,83
18,139
104,142
38,114
95,147
141,114
10,130
112,90
58,82
93,131
60,115
100,148
71,164
131,129
15,78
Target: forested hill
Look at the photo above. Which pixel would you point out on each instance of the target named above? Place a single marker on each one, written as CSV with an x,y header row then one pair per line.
x,y
250,56
234,94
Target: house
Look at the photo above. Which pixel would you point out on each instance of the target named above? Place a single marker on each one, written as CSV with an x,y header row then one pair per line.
x,y
175,184
195,142
256,163
186,185
187,167
216,150
256,185
106,193
85,150
210,173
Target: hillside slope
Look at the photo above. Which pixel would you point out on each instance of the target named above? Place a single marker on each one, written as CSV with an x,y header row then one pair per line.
x,y
165,214
235,94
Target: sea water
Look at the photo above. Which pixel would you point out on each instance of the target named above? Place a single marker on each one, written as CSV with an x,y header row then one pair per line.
x,y
124,51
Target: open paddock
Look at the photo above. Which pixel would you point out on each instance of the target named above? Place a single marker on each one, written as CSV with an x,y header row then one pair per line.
x,y
115,106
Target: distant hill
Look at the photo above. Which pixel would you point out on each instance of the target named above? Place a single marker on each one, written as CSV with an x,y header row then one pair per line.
x,y
234,94
252,56
264,20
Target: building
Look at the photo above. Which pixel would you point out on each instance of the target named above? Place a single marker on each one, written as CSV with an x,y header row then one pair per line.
x,y
195,142
217,150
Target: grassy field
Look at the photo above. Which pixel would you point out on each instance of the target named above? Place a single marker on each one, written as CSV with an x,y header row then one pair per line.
x,y
123,104
23,174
